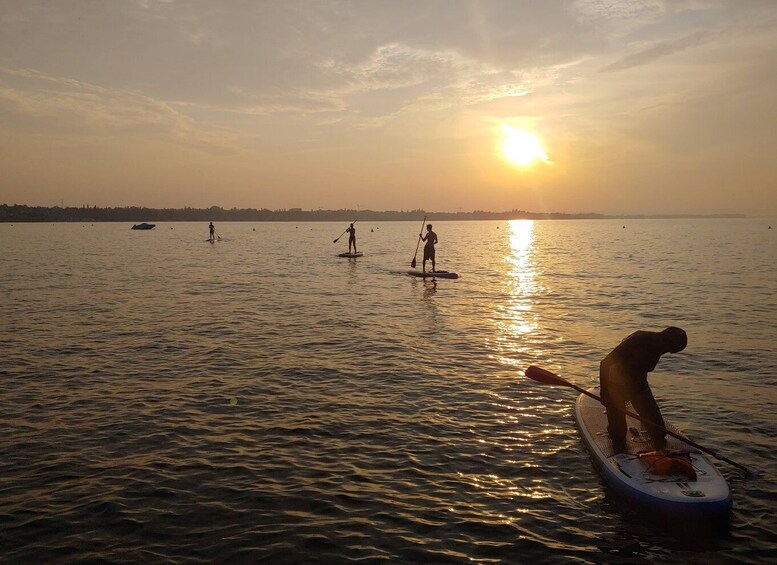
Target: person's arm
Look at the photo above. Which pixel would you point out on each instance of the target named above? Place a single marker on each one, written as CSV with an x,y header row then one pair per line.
x,y
422,237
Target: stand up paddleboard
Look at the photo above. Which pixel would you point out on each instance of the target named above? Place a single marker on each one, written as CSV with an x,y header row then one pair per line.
x,y
675,495
434,274
350,255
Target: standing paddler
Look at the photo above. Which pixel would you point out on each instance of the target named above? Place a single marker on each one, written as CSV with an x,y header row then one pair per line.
x,y
431,240
351,231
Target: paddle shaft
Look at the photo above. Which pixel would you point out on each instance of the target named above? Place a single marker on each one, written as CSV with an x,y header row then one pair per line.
x,y
715,454
413,263
342,234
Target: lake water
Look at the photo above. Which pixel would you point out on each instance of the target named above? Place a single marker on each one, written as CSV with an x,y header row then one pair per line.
x,y
165,399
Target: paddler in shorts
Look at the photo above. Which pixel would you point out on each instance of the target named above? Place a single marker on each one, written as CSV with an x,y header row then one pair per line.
x,y
623,377
351,231
431,240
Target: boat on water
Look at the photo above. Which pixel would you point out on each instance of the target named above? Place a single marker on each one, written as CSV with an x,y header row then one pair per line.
x,y
143,226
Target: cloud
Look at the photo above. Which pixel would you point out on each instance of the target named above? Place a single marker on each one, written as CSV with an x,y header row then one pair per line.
x,y
639,11
660,50
44,104
391,80
397,78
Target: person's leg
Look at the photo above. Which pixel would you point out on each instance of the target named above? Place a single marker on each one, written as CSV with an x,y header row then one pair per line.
x,y
616,419
434,268
647,407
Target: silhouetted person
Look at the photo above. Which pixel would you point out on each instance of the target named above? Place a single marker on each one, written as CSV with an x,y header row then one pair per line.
x,y
431,240
623,377
212,231
351,238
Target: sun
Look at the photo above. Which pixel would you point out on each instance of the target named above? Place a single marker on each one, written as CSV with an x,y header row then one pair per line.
x,y
521,147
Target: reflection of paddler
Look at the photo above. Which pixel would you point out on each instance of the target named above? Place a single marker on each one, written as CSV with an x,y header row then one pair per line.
x,y
431,240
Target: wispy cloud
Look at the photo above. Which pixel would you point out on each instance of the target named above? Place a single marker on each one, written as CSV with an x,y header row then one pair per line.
x,y
394,79
661,50
57,105
417,79
624,10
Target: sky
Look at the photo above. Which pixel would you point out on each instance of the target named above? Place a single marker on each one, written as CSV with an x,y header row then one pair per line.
x,y
610,106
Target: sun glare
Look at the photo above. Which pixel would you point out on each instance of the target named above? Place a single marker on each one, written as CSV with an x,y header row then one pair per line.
x,y
521,147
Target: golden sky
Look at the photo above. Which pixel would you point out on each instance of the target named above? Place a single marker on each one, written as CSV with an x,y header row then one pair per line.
x,y
638,106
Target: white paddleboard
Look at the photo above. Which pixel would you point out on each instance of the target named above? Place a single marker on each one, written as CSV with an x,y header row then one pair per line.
x,y
434,274
674,495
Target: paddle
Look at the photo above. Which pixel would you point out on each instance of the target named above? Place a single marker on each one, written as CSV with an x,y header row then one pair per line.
x,y
412,263
545,376
342,234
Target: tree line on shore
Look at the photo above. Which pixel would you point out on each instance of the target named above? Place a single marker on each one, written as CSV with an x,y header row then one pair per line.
x,y
86,213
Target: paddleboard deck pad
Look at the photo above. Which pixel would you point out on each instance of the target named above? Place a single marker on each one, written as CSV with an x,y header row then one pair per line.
x,y
434,274
675,495
351,255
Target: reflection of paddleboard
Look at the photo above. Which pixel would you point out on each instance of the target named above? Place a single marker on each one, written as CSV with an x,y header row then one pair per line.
x,y
434,274
351,255
674,495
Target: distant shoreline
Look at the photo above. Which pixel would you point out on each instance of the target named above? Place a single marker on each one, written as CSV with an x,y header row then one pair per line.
x,y
21,213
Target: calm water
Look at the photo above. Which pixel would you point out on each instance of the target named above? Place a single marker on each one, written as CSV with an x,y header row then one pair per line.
x,y
259,399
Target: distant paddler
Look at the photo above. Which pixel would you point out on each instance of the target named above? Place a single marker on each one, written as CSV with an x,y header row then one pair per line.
x,y
351,231
212,229
431,240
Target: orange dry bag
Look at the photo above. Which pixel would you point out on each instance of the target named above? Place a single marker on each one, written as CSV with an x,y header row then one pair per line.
x,y
665,463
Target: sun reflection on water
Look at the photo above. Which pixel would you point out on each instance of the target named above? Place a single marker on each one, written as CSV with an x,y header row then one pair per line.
x,y
518,316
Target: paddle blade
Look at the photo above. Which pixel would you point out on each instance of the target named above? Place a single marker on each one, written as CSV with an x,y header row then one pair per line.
x,y
543,376
412,263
